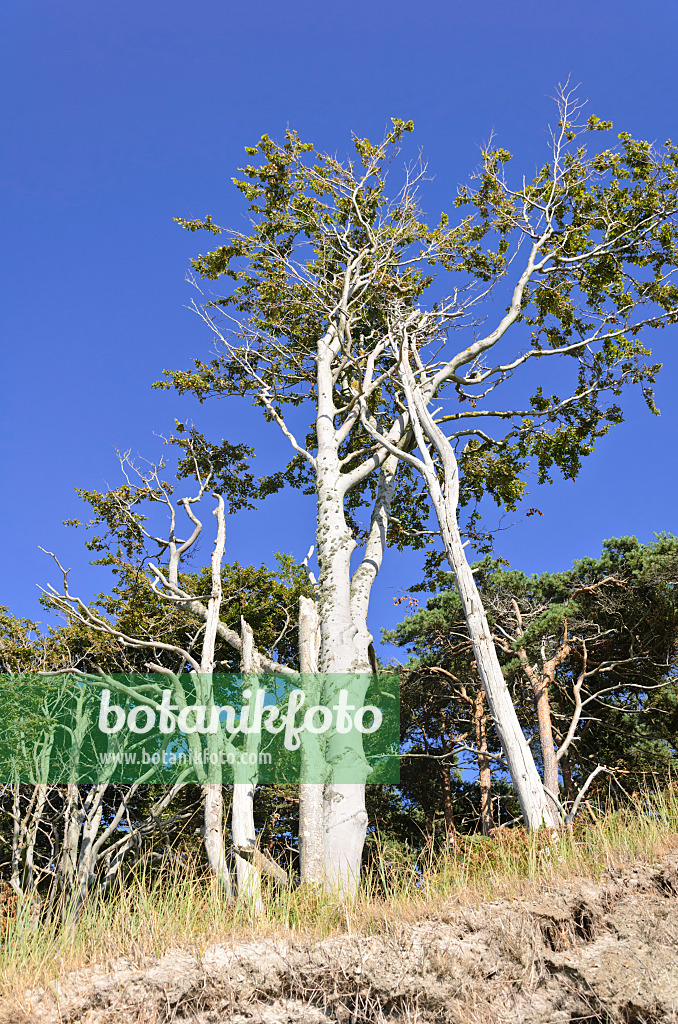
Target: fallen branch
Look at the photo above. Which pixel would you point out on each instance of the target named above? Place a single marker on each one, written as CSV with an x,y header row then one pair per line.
x,y
264,864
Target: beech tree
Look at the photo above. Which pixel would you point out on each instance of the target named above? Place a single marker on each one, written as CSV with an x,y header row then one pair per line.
x,y
327,313
63,839
66,838
170,645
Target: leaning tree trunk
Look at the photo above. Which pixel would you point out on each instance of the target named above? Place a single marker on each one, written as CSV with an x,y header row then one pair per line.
x,y
536,808
534,804
311,850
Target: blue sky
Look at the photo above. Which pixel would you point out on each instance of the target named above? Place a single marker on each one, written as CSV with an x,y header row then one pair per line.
x,y
117,118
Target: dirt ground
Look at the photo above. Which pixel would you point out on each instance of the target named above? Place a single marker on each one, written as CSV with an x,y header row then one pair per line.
x,y
586,952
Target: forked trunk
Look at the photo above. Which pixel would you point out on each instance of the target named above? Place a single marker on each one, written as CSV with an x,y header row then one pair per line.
x,y
343,601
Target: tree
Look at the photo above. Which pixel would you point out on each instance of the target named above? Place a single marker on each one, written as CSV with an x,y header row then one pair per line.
x,y
169,645
324,314
62,838
601,239
310,310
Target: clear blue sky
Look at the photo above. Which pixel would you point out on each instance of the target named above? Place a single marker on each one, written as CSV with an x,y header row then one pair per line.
x,y
118,117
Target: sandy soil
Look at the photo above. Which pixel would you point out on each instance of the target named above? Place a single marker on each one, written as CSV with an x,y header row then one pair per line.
x,y
589,952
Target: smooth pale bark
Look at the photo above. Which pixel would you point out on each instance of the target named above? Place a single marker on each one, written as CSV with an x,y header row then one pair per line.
x,y
87,859
213,834
69,873
343,646
115,854
25,831
345,649
311,848
536,808
84,840
213,822
345,814
68,862
519,759
245,782
70,855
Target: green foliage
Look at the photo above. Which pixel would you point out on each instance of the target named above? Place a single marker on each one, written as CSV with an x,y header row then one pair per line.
x,y
123,512
603,222
267,598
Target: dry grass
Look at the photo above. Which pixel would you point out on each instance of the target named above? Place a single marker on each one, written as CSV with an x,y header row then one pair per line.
x,y
176,908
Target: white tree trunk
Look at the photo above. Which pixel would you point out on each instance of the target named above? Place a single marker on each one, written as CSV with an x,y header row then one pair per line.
x,y
311,849
345,814
520,762
68,860
213,832
91,820
536,808
213,821
342,650
244,786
